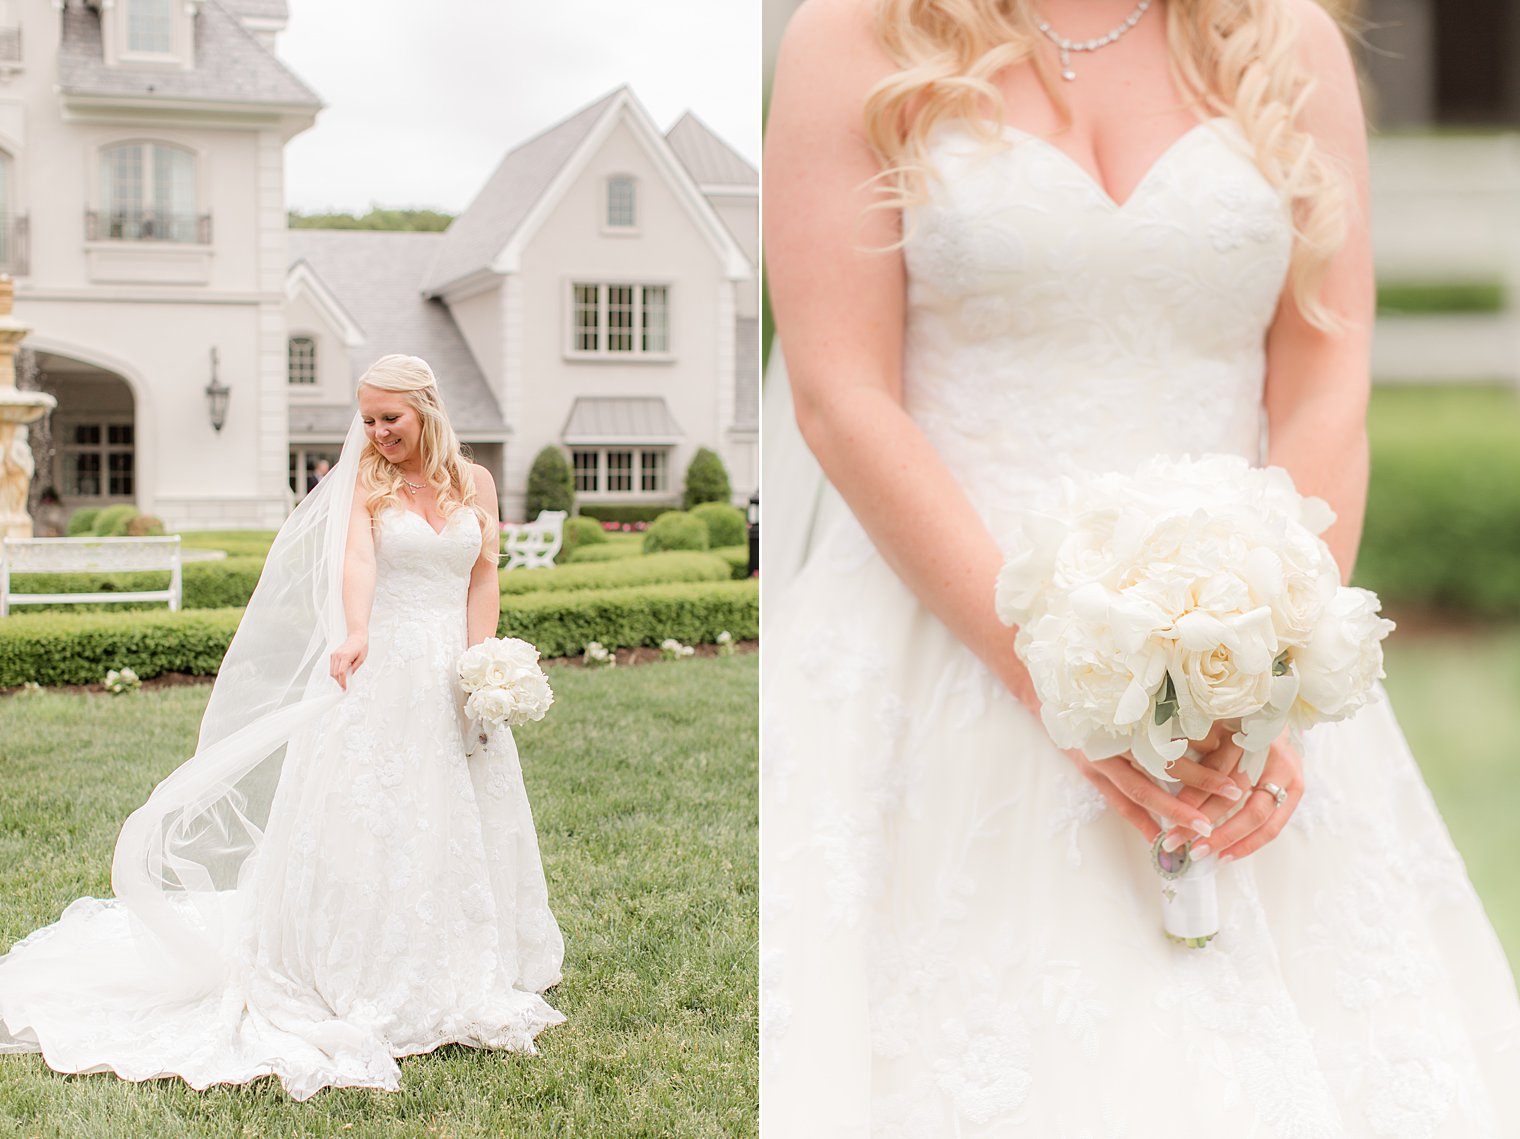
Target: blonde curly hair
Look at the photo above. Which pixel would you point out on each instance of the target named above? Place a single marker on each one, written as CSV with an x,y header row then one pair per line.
x,y
1233,58
445,462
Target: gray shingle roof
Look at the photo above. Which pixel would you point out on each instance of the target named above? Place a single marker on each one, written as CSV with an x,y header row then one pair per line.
x,y
230,65
374,276
481,232
621,419
747,373
708,159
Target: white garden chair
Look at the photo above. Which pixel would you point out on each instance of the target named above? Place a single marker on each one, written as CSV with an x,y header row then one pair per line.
x,y
89,555
529,545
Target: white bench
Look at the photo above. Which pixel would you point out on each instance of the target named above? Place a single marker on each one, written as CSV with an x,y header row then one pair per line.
x,y
89,555
529,545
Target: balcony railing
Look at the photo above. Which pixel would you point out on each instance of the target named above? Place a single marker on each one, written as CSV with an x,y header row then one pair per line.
x,y
15,245
147,225
10,45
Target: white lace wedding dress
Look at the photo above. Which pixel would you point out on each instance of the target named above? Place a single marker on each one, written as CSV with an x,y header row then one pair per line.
x,y
398,902
959,938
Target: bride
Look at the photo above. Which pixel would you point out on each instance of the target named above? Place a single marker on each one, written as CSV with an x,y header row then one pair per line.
x,y
1008,240
333,880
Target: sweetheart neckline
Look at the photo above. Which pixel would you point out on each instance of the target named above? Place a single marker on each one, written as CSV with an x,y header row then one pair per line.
x,y
438,533
1087,175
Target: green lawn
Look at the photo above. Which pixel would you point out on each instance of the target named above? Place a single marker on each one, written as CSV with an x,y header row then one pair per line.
x,y
1457,696
643,787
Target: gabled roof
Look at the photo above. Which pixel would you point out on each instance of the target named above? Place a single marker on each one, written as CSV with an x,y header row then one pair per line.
x,y
258,9
231,66
709,160
488,223
374,277
490,235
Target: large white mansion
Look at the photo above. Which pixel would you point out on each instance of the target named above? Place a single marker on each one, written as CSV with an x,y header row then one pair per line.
x,y
599,293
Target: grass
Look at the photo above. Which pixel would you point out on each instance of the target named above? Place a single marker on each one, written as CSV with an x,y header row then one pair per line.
x,y
643,787
1455,694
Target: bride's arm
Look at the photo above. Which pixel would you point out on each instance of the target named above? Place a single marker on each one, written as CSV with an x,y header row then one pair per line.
x,y
358,592
485,584
1318,382
838,295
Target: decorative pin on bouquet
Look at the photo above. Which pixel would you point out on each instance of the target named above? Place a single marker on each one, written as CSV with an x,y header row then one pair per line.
x,y
1196,591
504,683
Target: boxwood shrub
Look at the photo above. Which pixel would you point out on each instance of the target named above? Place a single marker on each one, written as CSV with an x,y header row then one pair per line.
x,y
676,531
112,521
610,552
725,523
626,512
737,558
582,531
82,522
656,568
78,648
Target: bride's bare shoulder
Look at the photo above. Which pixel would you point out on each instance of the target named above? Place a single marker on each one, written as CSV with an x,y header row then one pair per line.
x,y
832,48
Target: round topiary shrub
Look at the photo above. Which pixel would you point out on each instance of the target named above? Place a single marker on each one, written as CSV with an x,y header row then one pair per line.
x,y
82,522
112,521
675,531
551,485
706,480
725,524
582,531
144,526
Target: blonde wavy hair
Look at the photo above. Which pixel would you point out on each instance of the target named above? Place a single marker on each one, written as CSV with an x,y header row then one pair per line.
x,y
1233,58
445,462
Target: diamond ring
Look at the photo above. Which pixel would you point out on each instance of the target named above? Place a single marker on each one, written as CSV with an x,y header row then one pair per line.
x,y
1273,790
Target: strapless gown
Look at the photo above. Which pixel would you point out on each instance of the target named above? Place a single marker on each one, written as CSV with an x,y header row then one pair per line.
x,y
398,902
959,937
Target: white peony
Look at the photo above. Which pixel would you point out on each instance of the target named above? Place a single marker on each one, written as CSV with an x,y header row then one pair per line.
x,y
1342,659
504,682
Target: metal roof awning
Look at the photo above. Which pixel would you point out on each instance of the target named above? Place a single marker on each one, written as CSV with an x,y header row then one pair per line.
x,y
621,419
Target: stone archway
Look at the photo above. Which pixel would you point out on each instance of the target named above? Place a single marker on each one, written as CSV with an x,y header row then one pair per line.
x,y
87,451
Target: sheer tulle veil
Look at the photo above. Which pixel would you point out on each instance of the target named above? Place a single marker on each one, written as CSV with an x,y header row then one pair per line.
x,y
185,856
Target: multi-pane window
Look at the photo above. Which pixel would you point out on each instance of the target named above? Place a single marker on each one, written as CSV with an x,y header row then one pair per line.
x,y
303,360
622,203
98,460
148,191
620,470
148,25
619,320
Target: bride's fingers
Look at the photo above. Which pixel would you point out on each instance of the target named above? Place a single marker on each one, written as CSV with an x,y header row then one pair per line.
x,y
1202,780
1211,742
1132,813
1140,789
1260,820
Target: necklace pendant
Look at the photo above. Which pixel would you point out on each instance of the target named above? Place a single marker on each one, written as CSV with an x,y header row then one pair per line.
x,y
1068,75
1066,72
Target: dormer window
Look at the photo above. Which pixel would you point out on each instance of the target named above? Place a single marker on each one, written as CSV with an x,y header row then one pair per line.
x,y
149,27
622,203
303,360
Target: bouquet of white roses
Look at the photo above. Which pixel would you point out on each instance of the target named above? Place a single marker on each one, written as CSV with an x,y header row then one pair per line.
x,y
1151,606
503,682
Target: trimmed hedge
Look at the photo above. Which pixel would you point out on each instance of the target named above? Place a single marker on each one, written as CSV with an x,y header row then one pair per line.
x,y
737,558
706,479
675,531
78,648
671,567
82,522
1442,528
626,512
234,543
1417,299
112,521
725,524
582,531
208,585
562,624
612,552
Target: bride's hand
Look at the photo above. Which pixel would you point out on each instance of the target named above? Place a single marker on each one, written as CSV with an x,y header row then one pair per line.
x,y
347,657
1137,797
1259,819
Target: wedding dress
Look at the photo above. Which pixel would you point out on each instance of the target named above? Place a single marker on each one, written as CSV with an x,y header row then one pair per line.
x,y
391,901
959,937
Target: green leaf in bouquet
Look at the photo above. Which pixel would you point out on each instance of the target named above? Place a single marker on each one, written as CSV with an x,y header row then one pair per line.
x,y
1166,703
1280,665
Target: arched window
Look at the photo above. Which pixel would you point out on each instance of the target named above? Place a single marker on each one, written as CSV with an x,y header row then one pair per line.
x,y
148,193
148,25
303,360
622,203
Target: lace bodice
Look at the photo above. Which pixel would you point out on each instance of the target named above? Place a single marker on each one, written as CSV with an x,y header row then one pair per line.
x,y
421,574
1050,328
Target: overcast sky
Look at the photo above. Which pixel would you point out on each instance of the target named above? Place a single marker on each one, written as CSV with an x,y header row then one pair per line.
x,y
423,99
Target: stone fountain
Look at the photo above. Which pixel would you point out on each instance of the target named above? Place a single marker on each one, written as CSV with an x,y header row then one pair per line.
x,y
17,409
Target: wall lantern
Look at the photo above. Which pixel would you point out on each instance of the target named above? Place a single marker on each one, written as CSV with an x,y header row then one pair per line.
x,y
216,395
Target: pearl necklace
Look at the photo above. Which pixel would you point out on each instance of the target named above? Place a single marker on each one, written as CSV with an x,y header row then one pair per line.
x,y
1068,46
413,487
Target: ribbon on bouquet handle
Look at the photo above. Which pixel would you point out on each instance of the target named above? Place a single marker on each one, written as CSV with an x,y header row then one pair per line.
x,y
1189,895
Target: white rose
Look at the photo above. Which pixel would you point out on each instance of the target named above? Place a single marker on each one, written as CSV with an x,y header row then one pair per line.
x,y
1342,659
532,697
472,668
490,705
